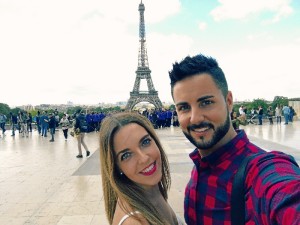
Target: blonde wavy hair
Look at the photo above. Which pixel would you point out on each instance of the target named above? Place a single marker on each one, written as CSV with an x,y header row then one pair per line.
x,y
117,186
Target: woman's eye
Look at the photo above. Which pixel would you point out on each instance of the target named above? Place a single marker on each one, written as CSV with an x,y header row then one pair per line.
x,y
146,142
125,156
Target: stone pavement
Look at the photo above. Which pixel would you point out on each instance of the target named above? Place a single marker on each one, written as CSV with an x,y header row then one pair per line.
x,y
43,183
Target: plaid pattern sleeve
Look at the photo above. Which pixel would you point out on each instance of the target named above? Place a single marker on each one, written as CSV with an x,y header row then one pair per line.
x,y
272,190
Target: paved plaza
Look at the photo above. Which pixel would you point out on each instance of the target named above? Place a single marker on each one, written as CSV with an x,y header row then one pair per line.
x,y
43,183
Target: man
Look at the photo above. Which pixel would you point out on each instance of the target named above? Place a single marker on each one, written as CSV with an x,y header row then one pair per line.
x,y
3,119
14,123
203,104
286,114
38,122
260,115
81,127
44,119
52,125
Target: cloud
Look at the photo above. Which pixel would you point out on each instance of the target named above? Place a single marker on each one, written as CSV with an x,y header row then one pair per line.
x,y
262,72
202,26
243,9
86,52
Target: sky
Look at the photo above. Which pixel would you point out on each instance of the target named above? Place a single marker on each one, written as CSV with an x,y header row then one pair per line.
x,y
86,51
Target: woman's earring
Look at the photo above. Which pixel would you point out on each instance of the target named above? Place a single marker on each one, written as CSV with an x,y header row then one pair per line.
x,y
121,173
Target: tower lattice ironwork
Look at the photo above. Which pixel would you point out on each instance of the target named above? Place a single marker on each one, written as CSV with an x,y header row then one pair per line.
x,y
143,72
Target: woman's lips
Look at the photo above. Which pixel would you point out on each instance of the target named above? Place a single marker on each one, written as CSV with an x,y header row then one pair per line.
x,y
149,170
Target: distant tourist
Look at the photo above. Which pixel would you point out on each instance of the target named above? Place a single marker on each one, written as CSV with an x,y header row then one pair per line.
x,y
3,119
81,128
278,113
260,115
52,125
270,114
286,114
65,123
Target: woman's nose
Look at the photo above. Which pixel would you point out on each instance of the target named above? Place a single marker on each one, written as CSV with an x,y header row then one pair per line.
x,y
143,157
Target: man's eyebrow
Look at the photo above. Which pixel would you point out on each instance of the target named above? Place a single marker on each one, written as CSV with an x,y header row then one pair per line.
x,y
180,103
198,100
204,98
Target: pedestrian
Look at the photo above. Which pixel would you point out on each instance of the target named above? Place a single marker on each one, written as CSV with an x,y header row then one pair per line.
x,y
44,119
286,114
271,191
14,123
260,114
65,123
23,118
57,119
135,172
292,113
270,115
29,122
81,128
52,125
38,122
278,113
3,119
235,120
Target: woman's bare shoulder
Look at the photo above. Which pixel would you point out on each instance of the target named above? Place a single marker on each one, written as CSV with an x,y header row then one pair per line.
x,y
123,218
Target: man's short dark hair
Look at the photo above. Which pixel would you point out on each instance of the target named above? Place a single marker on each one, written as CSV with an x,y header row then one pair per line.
x,y
196,65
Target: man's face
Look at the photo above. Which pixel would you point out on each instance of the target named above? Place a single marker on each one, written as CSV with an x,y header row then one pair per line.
x,y
203,112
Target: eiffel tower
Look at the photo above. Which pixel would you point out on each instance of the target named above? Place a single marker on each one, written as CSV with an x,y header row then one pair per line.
x,y
143,72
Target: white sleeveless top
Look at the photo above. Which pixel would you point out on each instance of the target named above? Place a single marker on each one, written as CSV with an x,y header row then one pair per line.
x,y
126,216
180,221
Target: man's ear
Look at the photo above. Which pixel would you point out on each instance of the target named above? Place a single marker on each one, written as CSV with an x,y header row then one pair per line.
x,y
229,101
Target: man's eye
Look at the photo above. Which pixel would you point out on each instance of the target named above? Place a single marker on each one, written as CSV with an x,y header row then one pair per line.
x,y
125,156
183,108
206,103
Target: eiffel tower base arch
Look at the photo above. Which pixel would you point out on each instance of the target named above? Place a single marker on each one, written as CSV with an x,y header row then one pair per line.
x,y
136,98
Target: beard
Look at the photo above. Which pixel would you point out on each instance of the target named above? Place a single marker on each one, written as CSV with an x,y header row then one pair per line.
x,y
219,133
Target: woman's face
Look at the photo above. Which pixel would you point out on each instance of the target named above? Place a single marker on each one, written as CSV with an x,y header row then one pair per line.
x,y
137,155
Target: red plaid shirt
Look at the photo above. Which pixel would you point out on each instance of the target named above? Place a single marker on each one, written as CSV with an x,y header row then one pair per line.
x,y
272,186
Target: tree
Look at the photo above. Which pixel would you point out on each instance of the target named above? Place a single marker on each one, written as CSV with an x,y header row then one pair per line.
x,y
280,100
4,108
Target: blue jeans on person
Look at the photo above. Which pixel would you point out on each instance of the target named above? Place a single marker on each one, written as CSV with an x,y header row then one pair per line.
x,y
52,132
13,127
260,119
44,130
39,127
286,118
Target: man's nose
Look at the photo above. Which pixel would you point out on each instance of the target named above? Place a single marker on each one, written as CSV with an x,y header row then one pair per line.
x,y
197,115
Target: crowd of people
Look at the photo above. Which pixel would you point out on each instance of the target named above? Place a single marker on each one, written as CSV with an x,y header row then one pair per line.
x,y
243,117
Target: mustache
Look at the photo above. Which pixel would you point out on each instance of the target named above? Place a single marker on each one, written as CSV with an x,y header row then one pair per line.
x,y
199,126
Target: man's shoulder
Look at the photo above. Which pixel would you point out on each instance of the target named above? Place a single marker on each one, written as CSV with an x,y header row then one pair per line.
x,y
272,165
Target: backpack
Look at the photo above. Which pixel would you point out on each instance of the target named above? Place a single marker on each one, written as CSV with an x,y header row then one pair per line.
x,y
83,125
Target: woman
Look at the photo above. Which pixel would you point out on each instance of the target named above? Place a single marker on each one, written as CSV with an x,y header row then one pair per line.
x,y
65,123
270,114
135,172
278,113
22,119
235,120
